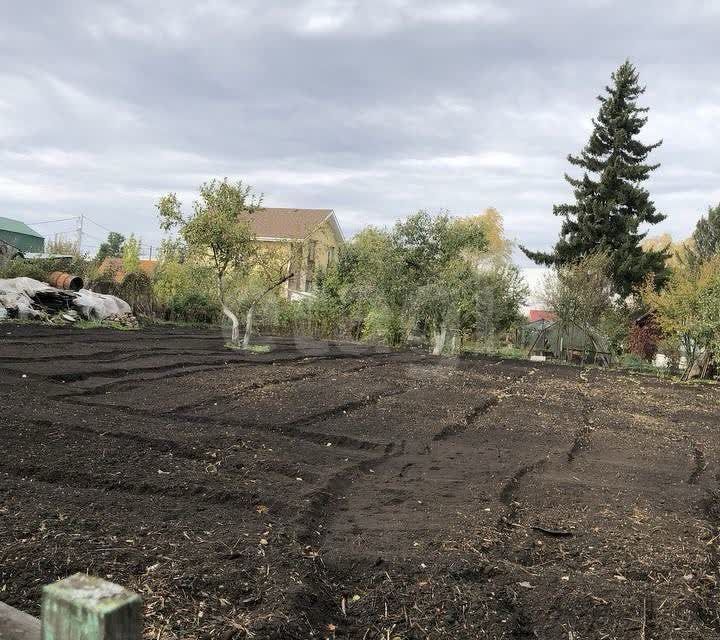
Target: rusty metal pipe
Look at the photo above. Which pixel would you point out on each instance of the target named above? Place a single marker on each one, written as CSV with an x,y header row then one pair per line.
x,y
62,280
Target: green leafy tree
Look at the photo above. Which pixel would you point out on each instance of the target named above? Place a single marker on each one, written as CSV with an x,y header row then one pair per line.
x,y
185,288
355,286
421,255
448,302
112,247
367,280
422,274
172,250
270,270
131,255
581,294
438,258
501,292
705,241
688,309
610,203
218,231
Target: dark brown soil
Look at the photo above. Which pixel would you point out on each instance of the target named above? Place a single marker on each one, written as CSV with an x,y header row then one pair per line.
x,y
332,490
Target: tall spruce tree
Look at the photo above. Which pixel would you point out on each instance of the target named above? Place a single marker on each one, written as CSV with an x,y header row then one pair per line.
x,y
610,203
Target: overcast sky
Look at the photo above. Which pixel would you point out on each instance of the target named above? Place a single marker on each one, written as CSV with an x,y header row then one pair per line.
x,y
374,108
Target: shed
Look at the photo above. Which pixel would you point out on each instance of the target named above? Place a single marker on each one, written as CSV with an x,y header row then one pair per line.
x,y
19,236
566,341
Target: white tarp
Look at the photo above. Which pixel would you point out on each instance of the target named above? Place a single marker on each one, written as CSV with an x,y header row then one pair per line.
x,y
18,293
99,305
28,286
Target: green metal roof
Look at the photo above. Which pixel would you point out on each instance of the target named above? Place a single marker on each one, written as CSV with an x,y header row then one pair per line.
x,y
15,226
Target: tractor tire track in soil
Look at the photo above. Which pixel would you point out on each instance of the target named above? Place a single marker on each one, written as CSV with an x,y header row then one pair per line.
x,y
80,480
706,599
187,368
265,384
335,490
581,442
468,419
288,431
324,592
510,487
699,466
161,445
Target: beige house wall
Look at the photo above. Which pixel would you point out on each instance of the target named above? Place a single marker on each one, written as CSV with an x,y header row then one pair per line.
x,y
305,256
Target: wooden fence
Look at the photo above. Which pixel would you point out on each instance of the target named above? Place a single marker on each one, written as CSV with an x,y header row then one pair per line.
x,y
80,607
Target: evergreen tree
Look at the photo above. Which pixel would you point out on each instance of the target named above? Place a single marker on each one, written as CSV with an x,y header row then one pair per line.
x,y
705,239
112,247
610,203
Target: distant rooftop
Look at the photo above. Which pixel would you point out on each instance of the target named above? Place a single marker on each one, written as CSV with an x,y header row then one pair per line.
x,y
296,224
15,226
541,314
116,265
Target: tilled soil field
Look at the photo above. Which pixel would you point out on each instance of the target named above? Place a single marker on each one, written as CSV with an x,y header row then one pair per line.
x,y
330,490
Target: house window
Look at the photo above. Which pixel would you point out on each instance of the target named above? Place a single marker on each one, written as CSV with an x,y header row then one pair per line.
x,y
331,255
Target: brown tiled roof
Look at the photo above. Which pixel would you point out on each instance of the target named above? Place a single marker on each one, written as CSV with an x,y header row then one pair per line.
x,y
541,314
116,264
275,222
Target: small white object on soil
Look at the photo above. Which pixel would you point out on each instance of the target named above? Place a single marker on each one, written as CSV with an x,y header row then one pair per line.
x,y
525,585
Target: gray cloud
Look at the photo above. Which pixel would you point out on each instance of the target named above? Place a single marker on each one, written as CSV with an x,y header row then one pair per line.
x,y
372,107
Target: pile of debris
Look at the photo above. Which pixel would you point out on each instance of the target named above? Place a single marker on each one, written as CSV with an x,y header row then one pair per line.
x,y
29,299
126,320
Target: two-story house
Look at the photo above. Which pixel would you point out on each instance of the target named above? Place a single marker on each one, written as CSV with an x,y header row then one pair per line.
x,y
309,238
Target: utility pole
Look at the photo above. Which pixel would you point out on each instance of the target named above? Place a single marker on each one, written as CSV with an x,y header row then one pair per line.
x,y
80,225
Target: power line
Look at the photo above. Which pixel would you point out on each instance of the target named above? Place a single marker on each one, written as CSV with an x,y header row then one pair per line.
x,y
99,225
62,232
51,221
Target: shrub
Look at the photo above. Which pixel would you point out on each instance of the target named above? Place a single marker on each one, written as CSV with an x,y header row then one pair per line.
x,y
293,317
631,361
382,325
102,281
24,269
194,307
136,289
40,269
688,308
183,291
643,340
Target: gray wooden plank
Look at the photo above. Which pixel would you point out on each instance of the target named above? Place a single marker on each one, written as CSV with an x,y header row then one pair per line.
x,y
17,625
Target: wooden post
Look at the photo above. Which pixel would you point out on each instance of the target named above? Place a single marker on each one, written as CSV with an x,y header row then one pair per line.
x,y
82,607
